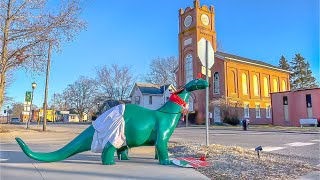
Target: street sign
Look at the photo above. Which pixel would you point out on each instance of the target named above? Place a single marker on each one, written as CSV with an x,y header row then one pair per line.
x,y
28,96
203,70
202,53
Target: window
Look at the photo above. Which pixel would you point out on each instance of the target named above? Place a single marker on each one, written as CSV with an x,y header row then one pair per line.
x,y
246,111
150,99
275,85
309,105
232,81
284,85
258,114
189,68
308,101
268,111
266,87
255,85
137,100
244,84
285,100
216,86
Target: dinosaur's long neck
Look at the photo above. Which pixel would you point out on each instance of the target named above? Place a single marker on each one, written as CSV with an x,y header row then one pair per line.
x,y
172,107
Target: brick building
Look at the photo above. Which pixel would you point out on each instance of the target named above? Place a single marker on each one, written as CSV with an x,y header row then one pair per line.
x,y
291,106
237,79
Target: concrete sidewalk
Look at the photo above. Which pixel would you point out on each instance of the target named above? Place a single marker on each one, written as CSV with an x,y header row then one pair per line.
x,y
16,165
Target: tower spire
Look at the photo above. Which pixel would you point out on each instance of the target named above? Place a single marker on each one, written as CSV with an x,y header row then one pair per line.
x,y
196,3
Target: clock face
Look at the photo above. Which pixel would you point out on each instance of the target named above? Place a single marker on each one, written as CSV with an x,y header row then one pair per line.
x,y
187,21
205,19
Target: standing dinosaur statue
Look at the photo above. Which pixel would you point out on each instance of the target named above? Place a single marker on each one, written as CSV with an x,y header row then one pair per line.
x,y
143,127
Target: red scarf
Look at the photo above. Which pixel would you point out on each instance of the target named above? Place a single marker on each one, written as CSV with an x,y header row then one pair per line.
x,y
176,99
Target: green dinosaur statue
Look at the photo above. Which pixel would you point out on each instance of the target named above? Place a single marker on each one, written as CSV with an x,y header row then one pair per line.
x,y
143,127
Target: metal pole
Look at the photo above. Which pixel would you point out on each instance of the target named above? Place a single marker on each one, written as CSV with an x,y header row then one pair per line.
x,y
207,97
187,119
46,89
30,113
54,102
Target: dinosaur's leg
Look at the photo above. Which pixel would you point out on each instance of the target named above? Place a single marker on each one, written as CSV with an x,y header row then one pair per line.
x,y
107,155
162,149
123,154
155,153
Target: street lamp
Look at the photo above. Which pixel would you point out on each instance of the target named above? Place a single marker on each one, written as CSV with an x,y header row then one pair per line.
x,y
33,85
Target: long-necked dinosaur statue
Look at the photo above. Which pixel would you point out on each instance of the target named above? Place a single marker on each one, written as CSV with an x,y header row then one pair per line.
x,y
143,127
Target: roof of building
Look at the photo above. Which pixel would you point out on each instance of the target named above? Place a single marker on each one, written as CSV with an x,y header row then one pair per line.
x,y
302,89
247,60
148,88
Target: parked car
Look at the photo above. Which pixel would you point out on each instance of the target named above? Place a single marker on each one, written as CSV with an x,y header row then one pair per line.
x,y
15,120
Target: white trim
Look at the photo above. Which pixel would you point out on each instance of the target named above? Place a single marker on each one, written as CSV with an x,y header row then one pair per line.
x,y
244,109
268,115
258,117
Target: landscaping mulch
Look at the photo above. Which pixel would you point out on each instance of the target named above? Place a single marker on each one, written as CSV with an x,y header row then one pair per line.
x,y
231,162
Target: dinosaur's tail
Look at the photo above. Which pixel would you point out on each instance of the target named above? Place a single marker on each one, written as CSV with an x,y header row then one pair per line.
x,y
79,144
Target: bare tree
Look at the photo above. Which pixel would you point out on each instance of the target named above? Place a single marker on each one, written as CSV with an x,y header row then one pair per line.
x,y
162,71
26,26
229,109
81,95
17,109
115,82
59,102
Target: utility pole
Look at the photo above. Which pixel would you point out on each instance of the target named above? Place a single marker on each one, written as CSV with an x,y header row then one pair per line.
x,y
207,97
54,107
46,88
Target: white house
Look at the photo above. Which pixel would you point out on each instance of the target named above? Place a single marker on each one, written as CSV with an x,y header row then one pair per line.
x,y
151,96
72,116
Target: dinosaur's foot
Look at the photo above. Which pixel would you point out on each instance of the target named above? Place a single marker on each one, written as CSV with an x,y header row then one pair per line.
x,y
165,162
123,155
108,163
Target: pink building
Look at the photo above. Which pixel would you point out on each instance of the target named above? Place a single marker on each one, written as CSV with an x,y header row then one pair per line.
x,y
291,106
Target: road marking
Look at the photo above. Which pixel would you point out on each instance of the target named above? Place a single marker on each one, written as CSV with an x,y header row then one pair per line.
x,y
270,148
295,144
315,140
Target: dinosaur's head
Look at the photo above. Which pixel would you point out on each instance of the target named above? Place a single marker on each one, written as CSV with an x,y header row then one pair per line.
x,y
196,84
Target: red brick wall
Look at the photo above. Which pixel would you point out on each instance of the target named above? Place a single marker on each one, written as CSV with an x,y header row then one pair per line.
x,y
296,106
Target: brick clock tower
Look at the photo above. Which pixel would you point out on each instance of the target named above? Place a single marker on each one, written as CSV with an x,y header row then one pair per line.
x,y
194,23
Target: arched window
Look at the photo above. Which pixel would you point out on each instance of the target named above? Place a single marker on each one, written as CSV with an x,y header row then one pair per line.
x,y
255,85
244,84
284,85
232,81
266,86
216,86
275,85
189,68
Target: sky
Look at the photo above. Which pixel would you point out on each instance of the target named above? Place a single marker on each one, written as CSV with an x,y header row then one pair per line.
x,y
133,33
